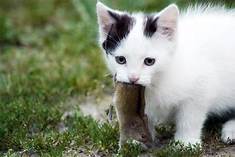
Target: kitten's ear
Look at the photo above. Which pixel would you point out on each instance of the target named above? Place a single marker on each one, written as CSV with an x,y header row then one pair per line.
x,y
168,19
106,18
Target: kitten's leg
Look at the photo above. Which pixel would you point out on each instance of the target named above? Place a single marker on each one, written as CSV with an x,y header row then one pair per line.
x,y
189,122
228,132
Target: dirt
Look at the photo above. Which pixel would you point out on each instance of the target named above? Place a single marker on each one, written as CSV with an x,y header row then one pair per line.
x,y
228,151
96,107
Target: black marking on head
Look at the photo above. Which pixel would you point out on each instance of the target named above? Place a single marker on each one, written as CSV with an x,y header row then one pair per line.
x,y
150,26
118,30
114,16
216,120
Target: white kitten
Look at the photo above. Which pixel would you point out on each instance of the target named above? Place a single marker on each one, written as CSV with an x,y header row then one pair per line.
x,y
186,61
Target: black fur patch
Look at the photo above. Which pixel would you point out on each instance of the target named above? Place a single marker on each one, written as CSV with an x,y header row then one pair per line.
x,y
150,26
215,121
119,30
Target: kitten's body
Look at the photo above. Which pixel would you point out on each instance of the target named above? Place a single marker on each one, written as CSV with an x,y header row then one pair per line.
x,y
194,73
201,76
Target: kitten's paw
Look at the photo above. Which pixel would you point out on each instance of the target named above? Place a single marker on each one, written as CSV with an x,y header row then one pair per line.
x,y
188,141
228,132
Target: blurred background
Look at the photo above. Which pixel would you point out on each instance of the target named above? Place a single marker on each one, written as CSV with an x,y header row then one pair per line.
x,y
50,63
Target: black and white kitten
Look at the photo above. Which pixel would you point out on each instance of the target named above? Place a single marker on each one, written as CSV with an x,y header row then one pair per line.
x,y
186,61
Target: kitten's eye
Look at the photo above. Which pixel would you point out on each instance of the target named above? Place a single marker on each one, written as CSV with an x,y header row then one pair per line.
x,y
149,61
120,59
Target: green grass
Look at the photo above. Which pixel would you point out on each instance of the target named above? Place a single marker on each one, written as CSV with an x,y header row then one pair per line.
x,y
49,55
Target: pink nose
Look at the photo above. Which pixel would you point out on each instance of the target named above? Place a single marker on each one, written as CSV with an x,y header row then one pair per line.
x,y
133,79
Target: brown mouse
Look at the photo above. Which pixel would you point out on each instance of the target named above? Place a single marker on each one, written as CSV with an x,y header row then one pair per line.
x,y
130,104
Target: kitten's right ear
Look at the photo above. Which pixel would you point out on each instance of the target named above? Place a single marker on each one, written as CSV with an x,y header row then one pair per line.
x,y
106,18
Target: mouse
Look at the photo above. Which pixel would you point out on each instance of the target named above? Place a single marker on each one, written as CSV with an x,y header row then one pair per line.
x,y
129,103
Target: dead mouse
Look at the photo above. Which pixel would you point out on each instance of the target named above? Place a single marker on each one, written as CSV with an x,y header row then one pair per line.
x,y
133,123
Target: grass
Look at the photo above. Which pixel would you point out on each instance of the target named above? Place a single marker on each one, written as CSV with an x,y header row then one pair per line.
x,y
49,55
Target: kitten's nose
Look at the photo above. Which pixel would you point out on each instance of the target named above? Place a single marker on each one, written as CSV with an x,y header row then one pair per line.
x,y
133,79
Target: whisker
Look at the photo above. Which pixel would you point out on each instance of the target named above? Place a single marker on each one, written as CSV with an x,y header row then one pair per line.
x,y
108,35
118,36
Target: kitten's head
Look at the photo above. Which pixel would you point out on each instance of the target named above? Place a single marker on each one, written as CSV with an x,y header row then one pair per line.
x,y
137,46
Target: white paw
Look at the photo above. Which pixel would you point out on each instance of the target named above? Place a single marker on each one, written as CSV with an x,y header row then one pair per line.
x,y
228,132
188,141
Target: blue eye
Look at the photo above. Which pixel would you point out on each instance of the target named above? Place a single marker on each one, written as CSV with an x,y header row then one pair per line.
x,y
120,59
149,61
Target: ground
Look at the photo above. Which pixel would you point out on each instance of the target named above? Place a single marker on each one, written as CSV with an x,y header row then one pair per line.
x,y
52,78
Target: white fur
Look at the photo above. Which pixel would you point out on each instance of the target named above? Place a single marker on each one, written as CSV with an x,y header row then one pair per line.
x,y
194,72
228,132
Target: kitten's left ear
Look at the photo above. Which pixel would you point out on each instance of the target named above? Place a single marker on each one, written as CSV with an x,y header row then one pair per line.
x,y
168,20
106,18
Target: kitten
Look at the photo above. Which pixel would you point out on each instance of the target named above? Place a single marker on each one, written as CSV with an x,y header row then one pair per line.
x,y
186,62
